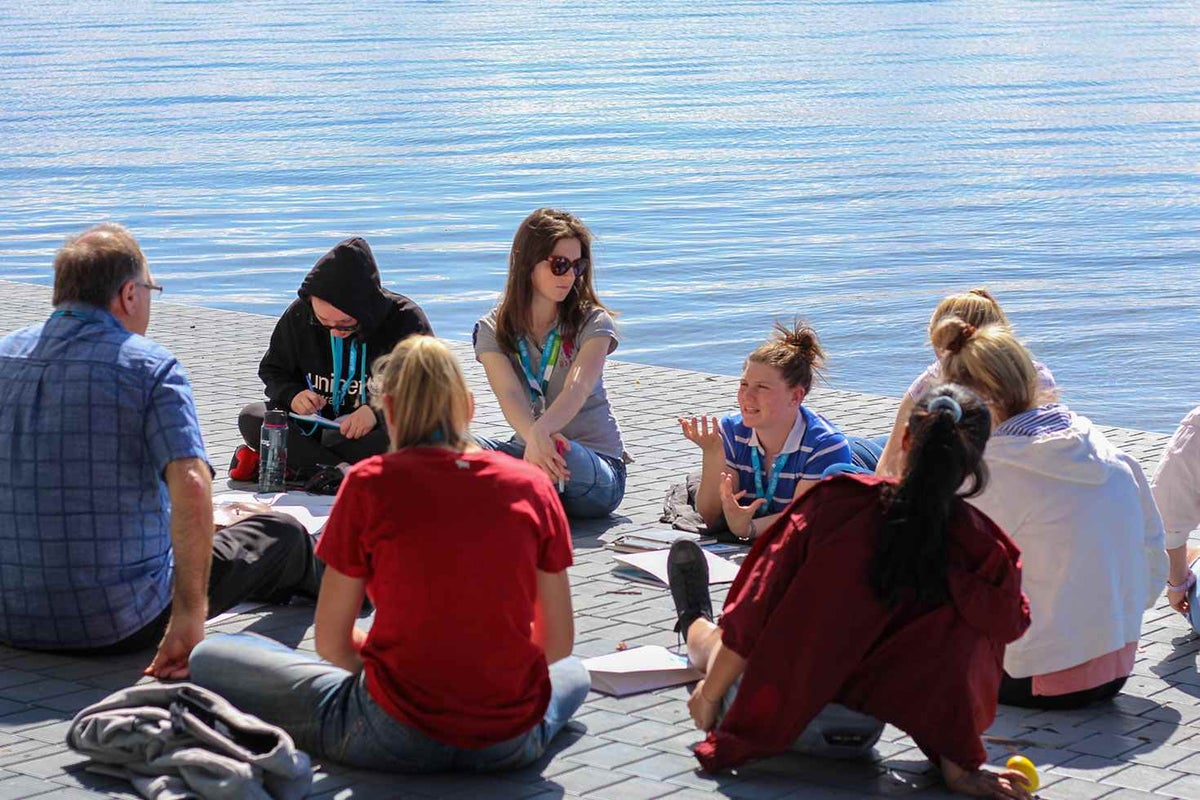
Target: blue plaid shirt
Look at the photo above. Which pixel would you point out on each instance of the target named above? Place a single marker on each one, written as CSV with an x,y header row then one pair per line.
x,y
90,416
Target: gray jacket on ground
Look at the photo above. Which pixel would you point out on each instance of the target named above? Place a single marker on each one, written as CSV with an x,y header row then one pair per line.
x,y
179,742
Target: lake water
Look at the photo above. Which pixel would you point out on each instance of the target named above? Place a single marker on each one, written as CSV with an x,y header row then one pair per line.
x,y
845,162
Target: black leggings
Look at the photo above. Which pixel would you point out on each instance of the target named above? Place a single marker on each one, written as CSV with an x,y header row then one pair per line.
x,y
325,447
1019,692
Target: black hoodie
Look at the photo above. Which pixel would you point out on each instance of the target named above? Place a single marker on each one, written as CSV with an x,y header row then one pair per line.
x,y
301,354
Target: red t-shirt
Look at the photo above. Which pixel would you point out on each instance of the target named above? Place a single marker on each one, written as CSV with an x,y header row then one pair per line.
x,y
449,545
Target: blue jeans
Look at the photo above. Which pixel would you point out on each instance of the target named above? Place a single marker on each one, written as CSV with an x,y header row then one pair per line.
x,y
864,455
330,714
836,731
597,483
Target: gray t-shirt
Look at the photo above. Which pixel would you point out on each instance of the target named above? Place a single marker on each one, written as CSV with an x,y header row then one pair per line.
x,y
594,426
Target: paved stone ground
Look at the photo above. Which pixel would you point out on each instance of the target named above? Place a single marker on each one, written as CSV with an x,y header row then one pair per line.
x,y
1145,744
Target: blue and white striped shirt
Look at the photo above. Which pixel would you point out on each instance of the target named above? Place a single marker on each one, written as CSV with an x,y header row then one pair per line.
x,y
1036,421
814,444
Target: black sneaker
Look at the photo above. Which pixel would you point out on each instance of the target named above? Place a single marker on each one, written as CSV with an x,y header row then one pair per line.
x,y
687,573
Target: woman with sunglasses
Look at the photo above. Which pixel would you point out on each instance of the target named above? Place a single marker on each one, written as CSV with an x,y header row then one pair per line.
x,y
319,363
543,349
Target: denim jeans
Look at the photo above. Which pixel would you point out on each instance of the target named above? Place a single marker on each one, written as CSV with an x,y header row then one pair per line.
x,y
864,455
597,483
836,731
330,714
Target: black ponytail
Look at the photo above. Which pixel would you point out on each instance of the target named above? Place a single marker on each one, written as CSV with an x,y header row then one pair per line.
x,y
947,431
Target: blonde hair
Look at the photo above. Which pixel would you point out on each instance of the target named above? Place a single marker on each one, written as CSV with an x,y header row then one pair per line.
x,y
427,393
991,361
975,307
794,351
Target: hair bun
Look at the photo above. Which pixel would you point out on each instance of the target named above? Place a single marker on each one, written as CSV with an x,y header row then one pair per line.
x,y
952,334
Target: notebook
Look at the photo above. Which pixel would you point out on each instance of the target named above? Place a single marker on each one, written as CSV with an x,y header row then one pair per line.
x,y
314,419
640,669
651,567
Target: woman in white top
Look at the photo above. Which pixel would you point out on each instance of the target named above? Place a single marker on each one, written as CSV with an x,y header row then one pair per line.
x,y
543,349
977,307
1081,512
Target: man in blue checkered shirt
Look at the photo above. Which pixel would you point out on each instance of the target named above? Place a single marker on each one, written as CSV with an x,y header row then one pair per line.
x,y
106,518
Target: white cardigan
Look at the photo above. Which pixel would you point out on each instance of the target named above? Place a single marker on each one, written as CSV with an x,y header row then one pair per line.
x,y
1091,542
1176,482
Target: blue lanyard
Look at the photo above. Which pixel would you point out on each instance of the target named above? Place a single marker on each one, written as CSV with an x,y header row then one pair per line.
x,y
772,483
340,385
550,351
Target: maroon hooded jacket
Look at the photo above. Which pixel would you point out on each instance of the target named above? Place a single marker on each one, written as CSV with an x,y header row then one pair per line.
x,y
803,614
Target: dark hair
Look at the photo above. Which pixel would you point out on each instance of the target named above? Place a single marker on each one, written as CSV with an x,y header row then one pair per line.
x,y
794,351
534,241
945,461
92,267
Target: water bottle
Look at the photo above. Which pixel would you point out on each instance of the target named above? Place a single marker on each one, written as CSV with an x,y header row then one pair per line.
x,y
272,451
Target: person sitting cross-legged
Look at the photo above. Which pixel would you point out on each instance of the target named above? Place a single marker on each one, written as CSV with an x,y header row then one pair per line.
x,y
106,516
467,665
868,601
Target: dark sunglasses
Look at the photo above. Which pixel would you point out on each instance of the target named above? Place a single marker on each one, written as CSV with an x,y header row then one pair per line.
x,y
559,265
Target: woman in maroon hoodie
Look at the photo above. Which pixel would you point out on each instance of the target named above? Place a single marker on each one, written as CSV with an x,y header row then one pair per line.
x,y
867,599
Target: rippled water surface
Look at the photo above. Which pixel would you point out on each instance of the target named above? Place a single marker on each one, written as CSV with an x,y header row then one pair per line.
x,y
847,162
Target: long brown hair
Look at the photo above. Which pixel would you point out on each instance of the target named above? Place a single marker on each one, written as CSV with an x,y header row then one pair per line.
x,y
534,241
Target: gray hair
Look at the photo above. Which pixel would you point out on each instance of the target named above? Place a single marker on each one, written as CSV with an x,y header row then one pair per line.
x,y
92,267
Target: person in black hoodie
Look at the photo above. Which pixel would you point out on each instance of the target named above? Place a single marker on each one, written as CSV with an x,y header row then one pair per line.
x,y
319,363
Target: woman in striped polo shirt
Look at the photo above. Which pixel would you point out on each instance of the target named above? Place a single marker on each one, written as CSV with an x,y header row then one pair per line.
x,y
770,452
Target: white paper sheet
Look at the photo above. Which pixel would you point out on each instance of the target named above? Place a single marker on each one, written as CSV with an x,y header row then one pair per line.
x,y
641,669
654,563
310,510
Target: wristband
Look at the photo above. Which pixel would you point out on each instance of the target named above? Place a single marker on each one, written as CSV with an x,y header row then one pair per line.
x,y
1187,584
751,532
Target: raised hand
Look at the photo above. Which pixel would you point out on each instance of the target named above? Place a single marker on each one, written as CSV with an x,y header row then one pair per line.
x,y
737,516
703,431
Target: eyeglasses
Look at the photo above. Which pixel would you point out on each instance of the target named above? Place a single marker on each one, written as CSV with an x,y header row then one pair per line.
x,y
154,287
334,328
559,265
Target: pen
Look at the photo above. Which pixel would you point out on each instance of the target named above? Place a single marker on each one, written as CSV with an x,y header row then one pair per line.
x,y
308,381
559,448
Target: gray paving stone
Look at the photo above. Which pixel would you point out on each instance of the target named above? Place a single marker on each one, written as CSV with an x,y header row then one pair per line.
x,y
1144,778
582,780
1187,787
1156,715
632,789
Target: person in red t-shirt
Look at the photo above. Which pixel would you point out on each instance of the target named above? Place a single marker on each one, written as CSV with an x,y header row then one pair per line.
x,y
867,602
464,553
